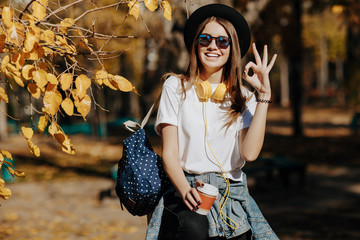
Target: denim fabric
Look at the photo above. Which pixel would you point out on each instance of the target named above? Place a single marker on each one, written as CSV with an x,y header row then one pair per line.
x,y
240,207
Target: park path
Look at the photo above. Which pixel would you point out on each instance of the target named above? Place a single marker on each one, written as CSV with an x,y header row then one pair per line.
x,y
67,210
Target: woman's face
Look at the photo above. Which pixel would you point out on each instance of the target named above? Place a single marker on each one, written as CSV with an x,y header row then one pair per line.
x,y
212,57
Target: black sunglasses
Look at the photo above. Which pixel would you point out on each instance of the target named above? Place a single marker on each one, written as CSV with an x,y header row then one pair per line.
x,y
205,40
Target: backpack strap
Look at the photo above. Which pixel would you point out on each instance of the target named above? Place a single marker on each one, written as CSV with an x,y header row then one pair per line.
x,y
133,126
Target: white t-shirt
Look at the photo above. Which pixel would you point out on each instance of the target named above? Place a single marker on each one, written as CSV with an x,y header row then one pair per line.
x,y
195,155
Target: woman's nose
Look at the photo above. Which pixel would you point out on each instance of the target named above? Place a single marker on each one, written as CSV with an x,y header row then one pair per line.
x,y
212,44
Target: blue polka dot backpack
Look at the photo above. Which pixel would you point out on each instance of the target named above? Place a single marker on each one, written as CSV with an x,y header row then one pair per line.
x,y
141,179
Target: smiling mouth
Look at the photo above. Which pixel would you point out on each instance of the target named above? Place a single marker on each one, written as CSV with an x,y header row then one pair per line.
x,y
212,55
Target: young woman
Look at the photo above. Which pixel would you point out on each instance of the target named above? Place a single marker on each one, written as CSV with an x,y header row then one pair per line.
x,y
210,126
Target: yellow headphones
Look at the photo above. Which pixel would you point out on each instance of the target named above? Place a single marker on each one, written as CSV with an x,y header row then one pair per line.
x,y
204,91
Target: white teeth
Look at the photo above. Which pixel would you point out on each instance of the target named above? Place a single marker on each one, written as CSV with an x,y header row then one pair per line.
x,y
211,55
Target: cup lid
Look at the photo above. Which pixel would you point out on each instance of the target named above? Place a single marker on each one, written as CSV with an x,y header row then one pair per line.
x,y
208,189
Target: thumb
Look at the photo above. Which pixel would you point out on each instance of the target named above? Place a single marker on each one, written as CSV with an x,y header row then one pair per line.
x,y
199,183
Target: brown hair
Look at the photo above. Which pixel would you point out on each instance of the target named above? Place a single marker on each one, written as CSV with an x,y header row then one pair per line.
x,y
231,74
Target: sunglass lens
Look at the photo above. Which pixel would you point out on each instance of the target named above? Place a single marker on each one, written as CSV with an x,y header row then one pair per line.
x,y
222,42
204,40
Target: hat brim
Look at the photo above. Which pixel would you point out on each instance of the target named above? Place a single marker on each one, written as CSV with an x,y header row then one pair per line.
x,y
223,11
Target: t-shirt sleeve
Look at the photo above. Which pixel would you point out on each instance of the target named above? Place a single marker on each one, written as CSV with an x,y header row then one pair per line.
x,y
249,111
169,104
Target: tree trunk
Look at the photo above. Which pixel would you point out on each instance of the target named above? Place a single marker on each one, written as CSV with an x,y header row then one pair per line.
x,y
323,75
284,81
293,49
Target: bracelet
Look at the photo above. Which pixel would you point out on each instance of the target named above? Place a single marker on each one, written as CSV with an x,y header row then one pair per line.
x,y
263,101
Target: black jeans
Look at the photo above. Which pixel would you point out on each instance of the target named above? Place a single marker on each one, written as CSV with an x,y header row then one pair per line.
x,y
179,223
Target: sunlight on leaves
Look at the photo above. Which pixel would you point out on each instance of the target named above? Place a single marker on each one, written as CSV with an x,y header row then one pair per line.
x,y
82,84
68,106
100,76
66,80
122,84
27,71
134,8
5,193
48,37
83,106
7,16
65,24
51,78
3,96
32,37
43,122
34,90
151,4
52,101
39,9
15,33
167,10
40,78
27,132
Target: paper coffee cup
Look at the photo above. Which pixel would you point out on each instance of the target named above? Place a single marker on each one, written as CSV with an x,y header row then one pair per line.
x,y
208,194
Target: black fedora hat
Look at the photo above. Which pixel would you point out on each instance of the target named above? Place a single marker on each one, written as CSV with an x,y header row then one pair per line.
x,y
218,10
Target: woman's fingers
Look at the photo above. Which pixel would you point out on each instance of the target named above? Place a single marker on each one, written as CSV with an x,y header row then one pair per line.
x,y
265,56
199,183
271,64
256,54
192,199
247,68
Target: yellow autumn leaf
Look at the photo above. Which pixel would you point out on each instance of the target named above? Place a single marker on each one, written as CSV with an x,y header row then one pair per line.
x,y
51,78
5,193
107,82
15,33
167,10
13,69
151,4
82,84
65,142
19,173
18,80
43,121
65,24
83,106
7,15
18,59
27,132
2,183
100,76
37,52
122,84
134,8
35,150
52,101
68,106
6,154
3,96
39,77
5,61
27,71
66,80
39,9
48,37
68,147
32,37
53,128
34,90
